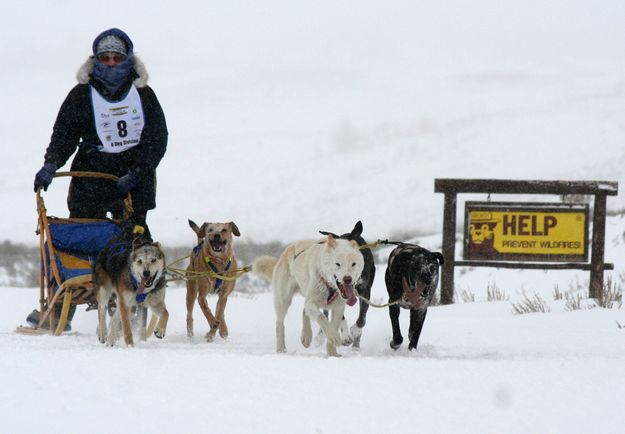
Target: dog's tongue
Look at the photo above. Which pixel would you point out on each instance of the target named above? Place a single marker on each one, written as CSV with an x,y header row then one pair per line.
x,y
352,299
348,293
414,298
141,287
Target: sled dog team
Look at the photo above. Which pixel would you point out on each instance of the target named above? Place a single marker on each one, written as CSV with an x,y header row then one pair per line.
x,y
329,273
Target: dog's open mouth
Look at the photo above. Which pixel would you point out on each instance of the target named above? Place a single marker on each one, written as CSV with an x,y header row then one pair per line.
x,y
218,246
347,293
414,297
146,282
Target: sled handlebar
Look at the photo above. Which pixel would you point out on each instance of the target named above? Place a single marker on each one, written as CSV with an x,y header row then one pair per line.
x,y
80,174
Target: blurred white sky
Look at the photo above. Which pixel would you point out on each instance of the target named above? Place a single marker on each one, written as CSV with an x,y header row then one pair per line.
x,y
288,117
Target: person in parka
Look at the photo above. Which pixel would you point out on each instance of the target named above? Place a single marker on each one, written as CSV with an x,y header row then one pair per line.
x,y
115,120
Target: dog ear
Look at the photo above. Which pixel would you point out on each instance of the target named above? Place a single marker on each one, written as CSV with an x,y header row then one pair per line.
x,y
161,253
235,229
329,233
331,241
440,257
136,243
202,231
195,227
356,231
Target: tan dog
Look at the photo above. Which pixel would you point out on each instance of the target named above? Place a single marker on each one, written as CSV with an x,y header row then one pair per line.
x,y
212,258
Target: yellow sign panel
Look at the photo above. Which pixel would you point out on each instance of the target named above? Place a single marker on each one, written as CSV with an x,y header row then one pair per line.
x,y
495,232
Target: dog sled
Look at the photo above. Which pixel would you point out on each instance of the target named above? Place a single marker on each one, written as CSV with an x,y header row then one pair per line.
x,y
68,248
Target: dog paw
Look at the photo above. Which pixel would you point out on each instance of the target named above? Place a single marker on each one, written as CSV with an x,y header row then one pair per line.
x,y
412,346
396,343
334,339
159,334
223,330
332,351
355,331
346,337
306,338
190,327
112,339
102,336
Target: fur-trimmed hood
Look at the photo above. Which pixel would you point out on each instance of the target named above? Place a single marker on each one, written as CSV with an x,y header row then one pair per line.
x,y
84,72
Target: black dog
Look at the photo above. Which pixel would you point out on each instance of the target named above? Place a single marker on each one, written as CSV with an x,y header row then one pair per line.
x,y
411,278
363,286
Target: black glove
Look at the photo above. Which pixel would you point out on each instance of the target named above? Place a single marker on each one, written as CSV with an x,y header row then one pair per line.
x,y
127,182
43,178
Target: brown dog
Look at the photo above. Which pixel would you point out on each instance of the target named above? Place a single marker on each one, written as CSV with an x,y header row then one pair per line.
x,y
211,259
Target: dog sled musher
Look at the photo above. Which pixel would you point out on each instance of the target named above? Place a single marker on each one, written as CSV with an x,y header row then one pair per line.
x,y
68,247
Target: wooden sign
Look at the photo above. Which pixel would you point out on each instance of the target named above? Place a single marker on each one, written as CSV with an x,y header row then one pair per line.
x,y
526,231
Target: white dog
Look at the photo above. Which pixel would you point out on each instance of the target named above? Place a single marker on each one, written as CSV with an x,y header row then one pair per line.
x,y
325,272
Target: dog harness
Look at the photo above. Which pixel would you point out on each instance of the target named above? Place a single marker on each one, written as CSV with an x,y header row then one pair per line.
x,y
212,266
118,248
207,259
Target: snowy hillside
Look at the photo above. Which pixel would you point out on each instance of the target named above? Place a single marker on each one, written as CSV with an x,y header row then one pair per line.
x,y
288,117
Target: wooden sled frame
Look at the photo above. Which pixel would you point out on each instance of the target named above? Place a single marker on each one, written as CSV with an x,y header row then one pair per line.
x,y
76,290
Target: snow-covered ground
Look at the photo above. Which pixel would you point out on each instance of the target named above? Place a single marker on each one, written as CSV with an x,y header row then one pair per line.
x,y
478,368
290,117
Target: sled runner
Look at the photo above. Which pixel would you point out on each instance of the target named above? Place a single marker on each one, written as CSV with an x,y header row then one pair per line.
x,y
68,247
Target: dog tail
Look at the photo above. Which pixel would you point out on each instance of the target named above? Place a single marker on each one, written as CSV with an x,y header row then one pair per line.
x,y
264,266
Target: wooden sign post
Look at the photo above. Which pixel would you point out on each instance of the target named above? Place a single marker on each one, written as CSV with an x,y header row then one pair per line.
x,y
530,235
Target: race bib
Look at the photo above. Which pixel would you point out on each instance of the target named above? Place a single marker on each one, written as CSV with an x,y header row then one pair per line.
x,y
118,124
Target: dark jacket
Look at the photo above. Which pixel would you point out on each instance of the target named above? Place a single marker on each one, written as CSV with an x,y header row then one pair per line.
x,y
75,127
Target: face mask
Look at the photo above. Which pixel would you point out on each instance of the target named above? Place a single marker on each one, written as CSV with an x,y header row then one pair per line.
x,y
112,77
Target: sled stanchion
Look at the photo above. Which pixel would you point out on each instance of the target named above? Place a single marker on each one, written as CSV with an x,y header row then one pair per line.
x,y
42,260
67,301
